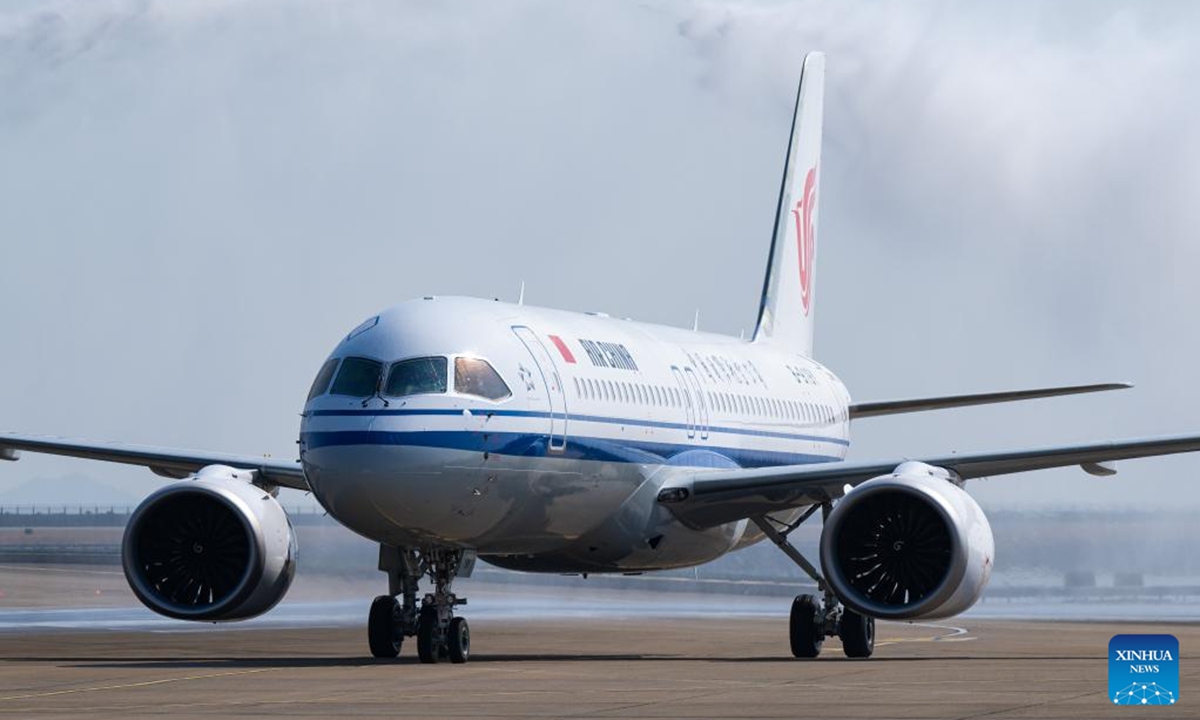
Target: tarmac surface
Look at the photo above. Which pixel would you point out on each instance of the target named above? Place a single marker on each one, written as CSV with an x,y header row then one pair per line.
x,y
632,659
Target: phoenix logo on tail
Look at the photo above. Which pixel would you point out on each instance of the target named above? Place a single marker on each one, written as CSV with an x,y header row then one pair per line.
x,y
806,240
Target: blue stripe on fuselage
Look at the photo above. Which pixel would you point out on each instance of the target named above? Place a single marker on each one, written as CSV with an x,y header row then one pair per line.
x,y
580,418
535,445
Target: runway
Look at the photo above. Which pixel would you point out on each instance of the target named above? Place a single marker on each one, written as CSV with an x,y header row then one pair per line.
x,y
651,668
537,652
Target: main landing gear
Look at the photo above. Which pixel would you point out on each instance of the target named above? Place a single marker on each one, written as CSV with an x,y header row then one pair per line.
x,y
812,618
440,635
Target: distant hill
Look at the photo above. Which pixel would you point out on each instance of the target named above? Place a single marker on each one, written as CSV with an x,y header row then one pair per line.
x,y
71,490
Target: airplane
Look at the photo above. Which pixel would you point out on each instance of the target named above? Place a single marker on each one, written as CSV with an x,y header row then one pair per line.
x,y
452,429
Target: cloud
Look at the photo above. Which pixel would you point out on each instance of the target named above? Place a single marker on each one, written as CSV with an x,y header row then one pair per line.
x,y
201,197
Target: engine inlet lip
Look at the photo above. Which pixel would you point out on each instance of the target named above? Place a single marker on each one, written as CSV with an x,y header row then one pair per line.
x,y
855,600
130,560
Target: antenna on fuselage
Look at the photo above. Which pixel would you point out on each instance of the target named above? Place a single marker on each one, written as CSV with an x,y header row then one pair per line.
x,y
696,321
521,297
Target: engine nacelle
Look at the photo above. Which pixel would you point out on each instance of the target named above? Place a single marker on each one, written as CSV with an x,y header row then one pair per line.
x,y
212,548
908,545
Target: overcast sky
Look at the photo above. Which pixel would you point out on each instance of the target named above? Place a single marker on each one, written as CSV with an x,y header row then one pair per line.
x,y
198,198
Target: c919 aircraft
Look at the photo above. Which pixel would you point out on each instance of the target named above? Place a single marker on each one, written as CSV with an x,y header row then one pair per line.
x,y
451,429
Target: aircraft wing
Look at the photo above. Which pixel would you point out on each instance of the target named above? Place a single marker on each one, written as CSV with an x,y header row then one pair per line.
x,y
168,462
895,407
705,499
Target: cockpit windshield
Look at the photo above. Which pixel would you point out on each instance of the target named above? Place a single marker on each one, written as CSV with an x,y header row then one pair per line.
x,y
359,377
473,376
321,383
417,376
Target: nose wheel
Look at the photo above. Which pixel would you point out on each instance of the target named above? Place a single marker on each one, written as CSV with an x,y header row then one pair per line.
x,y
439,633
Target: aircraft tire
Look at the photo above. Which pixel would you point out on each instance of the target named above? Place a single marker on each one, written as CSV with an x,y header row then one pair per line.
x,y
858,634
427,644
805,631
381,627
459,640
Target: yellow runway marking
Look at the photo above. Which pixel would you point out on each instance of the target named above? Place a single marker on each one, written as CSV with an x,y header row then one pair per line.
x,y
955,634
125,686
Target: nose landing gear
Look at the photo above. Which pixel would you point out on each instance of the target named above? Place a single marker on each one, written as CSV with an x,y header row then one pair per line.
x,y
440,635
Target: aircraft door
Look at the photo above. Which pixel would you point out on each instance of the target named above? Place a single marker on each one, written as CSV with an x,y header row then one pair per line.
x,y
701,404
687,401
556,395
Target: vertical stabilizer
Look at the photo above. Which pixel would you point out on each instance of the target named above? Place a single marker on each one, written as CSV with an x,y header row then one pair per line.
x,y
785,314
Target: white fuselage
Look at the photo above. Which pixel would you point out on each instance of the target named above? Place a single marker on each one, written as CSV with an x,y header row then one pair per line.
x,y
562,473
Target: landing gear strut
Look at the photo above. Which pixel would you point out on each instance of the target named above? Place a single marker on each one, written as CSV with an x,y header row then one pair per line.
x,y
440,635
812,618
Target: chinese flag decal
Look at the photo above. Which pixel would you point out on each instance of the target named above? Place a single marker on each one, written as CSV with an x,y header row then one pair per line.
x,y
562,348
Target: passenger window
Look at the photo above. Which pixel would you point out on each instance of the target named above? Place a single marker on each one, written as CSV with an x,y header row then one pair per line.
x,y
473,376
321,383
359,377
419,376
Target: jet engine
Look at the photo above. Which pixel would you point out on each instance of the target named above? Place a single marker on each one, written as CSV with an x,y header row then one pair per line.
x,y
908,545
214,547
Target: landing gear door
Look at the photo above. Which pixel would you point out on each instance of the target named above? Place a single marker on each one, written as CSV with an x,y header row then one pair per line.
x,y
545,372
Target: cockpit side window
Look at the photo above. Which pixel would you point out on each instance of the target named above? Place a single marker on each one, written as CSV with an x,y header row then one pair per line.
x,y
416,377
321,383
473,376
359,377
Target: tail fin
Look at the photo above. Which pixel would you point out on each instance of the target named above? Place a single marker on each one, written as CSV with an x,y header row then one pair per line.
x,y
786,311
